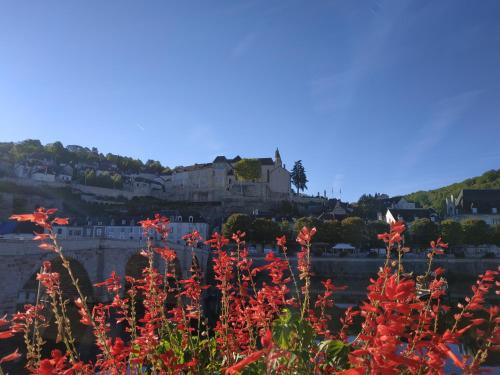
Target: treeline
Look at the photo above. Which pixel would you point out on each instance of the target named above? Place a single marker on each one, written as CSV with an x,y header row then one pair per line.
x,y
362,234
352,230
436,198
106,179
33,148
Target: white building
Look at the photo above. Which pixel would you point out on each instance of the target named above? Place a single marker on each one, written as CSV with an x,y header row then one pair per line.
x,y
217,181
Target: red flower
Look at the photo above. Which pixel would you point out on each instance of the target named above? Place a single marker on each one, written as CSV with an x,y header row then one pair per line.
x,y
112,283
159,224
192,238
60,221
11,357
281,241
218,241
254,357
6,335
168,254
305,236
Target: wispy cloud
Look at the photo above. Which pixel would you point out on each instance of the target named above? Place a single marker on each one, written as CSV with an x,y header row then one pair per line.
x,y
337,90
244,44
448,112
140,127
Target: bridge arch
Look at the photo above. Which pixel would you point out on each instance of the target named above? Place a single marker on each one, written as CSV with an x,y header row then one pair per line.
x,y
29,291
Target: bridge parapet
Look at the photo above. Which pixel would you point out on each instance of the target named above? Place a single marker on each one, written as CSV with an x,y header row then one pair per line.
x,y
20,260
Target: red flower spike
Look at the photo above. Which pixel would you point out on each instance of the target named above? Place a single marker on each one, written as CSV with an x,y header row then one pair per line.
x,y
11,357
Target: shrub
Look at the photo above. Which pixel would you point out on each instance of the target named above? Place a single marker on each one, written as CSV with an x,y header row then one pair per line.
x,y
476,232
275,328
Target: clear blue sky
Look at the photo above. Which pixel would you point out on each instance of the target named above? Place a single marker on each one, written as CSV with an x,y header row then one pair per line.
x,y
373,96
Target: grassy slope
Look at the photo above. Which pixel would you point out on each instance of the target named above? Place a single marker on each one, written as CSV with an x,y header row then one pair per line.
x,y
436,198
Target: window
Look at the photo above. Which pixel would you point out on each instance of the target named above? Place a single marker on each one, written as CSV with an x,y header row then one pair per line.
x,y
191,219
474,210
494,211
59,230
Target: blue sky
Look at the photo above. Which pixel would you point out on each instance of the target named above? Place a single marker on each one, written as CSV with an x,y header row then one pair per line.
x,y
373,96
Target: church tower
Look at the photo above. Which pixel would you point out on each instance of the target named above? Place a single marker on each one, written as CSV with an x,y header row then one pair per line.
x,y
277,158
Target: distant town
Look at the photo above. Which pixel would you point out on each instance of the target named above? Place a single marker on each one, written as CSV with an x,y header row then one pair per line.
x,y
106,195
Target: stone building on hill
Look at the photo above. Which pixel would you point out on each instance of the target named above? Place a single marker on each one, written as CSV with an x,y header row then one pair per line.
x,y
216,181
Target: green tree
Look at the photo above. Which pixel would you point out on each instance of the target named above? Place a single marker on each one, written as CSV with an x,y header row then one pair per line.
x,y
298,176
89,177
452,232
117,180
495,234
330,231
248,169
476,232
153,166
286,229
374,228
353,230
27,148
369,206
308,222
423,231
57,149
236,222
264,231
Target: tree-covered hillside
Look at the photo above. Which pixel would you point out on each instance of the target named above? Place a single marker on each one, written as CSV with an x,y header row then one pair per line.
x,y
33,148
436,198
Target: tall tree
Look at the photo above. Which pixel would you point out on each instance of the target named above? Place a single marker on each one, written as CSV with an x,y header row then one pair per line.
x,y
308,222
247,170
373,228
452,232
236,222
330,231
264,231
495,234
423,231
353,231
298,175
476,232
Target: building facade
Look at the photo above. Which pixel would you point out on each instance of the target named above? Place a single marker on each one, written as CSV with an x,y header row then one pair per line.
x,y
479,204
217,181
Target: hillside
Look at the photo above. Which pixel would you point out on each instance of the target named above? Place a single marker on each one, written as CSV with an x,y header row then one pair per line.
x,y
32,149
436,198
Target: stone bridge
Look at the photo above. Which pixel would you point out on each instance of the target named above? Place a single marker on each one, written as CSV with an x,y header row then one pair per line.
x,y
92,260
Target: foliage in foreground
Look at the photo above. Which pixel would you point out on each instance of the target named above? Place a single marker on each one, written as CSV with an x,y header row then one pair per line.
x,y
276,327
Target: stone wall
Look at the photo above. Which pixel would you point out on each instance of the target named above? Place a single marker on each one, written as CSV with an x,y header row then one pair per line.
x,y
356,273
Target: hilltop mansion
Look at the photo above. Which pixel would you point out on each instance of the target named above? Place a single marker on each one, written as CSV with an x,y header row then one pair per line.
x,y
217,181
